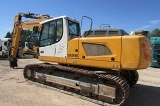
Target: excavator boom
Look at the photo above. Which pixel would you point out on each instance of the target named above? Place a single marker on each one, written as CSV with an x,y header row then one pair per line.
x,y
19,24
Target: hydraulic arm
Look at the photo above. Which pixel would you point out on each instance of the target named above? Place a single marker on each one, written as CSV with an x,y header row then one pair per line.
x,y
33,24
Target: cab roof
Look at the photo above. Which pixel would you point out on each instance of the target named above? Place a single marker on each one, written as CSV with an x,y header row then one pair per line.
x,y
58,18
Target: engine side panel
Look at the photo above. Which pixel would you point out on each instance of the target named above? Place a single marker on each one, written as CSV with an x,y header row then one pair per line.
x,y
104,48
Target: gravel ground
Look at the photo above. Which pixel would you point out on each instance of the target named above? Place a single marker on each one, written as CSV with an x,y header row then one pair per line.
x,y
15,91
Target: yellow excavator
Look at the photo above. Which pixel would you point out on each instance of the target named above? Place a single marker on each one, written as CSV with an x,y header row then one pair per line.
x,y
101,67
30,48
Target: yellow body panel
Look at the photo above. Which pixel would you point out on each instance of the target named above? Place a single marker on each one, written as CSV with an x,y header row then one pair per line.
x,y
72,51
53,59
136,52
82,62
116,52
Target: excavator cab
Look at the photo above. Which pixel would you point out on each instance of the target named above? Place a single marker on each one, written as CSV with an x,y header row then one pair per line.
x,y
55,34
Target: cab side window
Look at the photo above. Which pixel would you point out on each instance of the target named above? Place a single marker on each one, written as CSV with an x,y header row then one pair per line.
x,y
44,35
73,28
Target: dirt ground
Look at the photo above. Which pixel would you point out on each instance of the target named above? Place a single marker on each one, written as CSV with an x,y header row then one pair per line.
x,y
15,91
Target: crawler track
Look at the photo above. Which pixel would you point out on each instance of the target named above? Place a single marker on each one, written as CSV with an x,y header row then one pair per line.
x,y
122,87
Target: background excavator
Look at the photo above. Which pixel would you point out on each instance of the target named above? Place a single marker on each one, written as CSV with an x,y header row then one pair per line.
x,y
31,47
102,68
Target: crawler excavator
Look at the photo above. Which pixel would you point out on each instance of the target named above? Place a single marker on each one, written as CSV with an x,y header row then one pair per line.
x,y
31,47
101,68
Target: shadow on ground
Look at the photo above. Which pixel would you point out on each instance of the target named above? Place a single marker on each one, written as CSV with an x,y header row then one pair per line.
x,y
2,58
22,57
143,95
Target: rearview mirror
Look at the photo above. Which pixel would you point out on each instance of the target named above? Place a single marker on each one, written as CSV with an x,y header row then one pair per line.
x,y
35,29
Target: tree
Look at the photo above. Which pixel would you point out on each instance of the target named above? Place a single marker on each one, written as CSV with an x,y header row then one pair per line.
x,y
155,33
24,36
8,35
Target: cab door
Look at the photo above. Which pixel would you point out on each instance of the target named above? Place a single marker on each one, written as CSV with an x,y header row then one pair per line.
x,y
47,39
61,38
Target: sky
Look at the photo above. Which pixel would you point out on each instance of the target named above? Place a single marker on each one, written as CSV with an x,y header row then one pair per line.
x,y
129,15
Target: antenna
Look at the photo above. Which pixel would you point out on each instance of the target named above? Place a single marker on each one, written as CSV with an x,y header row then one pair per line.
x,y
73,15
105,25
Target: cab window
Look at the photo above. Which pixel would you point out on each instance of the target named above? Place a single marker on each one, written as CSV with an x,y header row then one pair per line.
x,y
74,29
